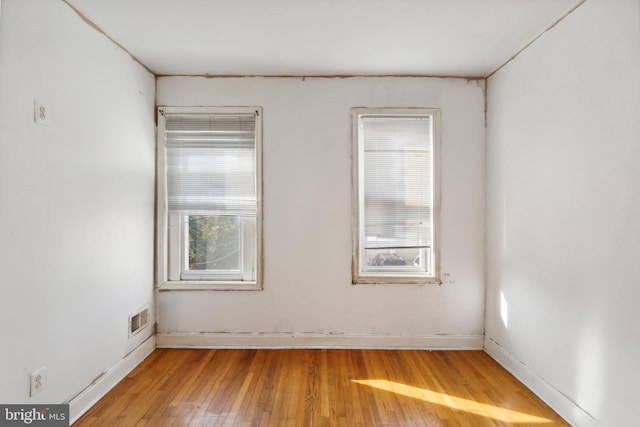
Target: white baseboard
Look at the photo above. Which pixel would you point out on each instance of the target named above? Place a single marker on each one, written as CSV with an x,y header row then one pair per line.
x,y
317,340
558,401
94,392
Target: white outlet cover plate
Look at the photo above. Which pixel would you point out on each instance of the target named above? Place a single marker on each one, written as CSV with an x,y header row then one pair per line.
x,y
40,113
38,381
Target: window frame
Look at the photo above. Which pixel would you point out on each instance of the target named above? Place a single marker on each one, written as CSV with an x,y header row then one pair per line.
x,y
388,276
171,228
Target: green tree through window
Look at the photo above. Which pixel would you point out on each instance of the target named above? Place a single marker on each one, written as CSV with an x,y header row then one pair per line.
x,y
214,242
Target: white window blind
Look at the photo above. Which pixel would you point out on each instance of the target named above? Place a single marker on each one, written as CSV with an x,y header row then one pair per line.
x,y
211,164
398,181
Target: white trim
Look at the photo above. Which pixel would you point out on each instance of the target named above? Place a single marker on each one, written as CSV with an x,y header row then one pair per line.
x,y
198,285
316,340
168,265
556,399
88,397
359,276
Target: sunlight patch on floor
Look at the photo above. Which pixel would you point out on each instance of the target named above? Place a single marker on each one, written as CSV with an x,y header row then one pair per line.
x,y
453,402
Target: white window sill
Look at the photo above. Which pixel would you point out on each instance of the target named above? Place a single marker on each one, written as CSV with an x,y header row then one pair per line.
x,y
196,285
396,280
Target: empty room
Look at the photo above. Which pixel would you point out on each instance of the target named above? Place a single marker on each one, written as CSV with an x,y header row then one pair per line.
x,y
353,213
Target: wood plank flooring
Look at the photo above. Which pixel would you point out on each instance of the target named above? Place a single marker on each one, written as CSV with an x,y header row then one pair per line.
x,y
192,387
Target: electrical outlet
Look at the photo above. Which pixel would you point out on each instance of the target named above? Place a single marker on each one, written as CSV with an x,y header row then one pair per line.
x,y
40,113
38,381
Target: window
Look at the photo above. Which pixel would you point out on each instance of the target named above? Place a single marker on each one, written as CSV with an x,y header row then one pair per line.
x,y
395,187
209,197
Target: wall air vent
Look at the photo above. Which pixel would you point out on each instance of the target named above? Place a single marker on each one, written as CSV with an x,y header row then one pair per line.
x,y
138,321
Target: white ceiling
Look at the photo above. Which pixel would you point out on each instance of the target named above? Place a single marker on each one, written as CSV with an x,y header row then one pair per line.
x,y
324,37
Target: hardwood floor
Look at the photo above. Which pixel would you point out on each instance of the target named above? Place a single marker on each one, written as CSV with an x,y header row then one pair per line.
x,y
175,387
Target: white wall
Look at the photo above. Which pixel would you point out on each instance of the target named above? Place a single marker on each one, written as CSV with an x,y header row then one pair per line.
x,y
76,200
564,214
307,221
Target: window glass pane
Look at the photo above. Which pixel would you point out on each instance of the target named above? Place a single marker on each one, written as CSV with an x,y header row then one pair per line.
x,y
397,181
214,243
408,259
